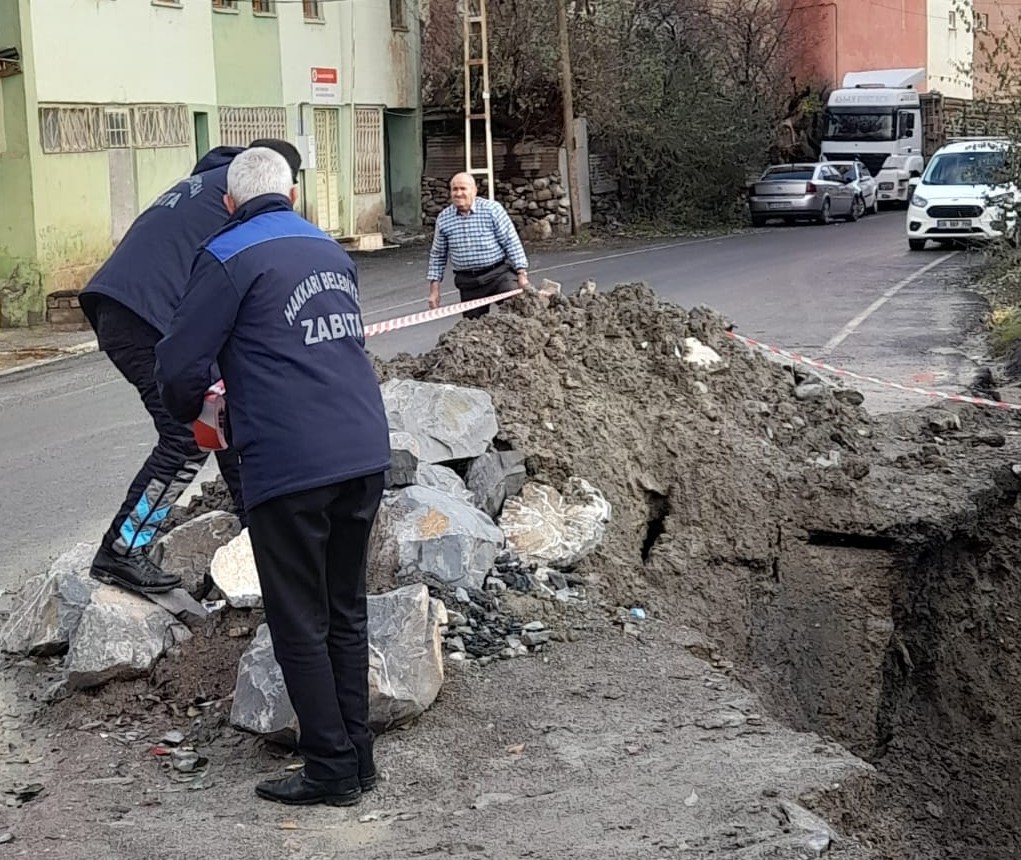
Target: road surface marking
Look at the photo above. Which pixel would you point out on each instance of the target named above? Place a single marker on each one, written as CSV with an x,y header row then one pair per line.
x,y
852,326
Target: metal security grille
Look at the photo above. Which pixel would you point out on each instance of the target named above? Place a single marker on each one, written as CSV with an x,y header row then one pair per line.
x,y
239,126
368,150
72,129
161,125
327,131
118,128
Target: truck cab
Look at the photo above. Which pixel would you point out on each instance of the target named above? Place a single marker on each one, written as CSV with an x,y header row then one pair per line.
x,y
876,118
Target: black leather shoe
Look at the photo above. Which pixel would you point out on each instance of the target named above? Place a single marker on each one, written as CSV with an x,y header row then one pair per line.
x,y
299,790
135,572
366,766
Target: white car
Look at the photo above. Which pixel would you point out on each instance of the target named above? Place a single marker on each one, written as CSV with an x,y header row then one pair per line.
x,y
857,175
965,193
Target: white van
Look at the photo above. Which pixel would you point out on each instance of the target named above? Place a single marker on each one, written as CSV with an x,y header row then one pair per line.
x,y
965,193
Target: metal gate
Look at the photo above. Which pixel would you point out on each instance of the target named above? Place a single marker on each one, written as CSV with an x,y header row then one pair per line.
x,y
327,133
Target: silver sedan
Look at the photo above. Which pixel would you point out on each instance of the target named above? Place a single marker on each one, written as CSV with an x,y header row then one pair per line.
x,y
802,191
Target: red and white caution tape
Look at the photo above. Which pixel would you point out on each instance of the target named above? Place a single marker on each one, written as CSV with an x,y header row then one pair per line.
x,y
437,314
850,374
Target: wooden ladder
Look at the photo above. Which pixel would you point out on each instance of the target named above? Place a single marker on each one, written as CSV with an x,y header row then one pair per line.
x,y
476,89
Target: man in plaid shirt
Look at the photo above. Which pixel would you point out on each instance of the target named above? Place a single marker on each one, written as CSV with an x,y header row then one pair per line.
x,y
478,237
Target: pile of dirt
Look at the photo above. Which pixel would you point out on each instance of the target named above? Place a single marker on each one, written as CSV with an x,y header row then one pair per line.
x,y
822,549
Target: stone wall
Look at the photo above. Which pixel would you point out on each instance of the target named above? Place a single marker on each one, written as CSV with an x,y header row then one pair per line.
x,y
540,207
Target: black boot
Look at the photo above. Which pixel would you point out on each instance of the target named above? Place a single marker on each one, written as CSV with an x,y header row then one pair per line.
x,y
299,790
135,572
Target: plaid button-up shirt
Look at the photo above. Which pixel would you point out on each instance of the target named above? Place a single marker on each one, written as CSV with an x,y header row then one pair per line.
x,y
482,237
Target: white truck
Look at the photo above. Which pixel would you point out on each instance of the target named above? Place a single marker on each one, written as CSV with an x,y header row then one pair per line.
x,y
879,118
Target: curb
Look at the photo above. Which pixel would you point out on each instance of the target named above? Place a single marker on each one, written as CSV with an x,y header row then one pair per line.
x,y
70,352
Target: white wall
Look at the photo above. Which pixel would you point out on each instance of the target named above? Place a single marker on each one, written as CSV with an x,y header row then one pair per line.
x,y
123,51
304,45
950,50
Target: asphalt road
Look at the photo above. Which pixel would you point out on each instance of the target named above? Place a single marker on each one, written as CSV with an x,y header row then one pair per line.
x,y
73,433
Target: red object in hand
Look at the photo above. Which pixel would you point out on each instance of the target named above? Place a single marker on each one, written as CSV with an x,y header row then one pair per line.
x,y
209,430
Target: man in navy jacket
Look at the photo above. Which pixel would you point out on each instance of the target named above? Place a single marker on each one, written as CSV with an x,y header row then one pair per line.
x,y
129,303
274,301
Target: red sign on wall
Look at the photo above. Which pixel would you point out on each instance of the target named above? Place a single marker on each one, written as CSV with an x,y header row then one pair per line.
x,y
325,86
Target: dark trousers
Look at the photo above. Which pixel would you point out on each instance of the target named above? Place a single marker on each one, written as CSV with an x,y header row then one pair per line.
x,y
311,550
130,343
477,285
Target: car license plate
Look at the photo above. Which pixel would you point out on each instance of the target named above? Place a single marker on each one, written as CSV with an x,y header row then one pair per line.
x,y
785,204
954,223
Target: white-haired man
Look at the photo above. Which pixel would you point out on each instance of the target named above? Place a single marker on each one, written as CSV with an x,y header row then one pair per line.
x,y
478,238
274,301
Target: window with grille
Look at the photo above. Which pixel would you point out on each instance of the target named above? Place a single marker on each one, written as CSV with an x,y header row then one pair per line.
x,y
368,151
239,126
161,125
75,128
225,4
118,128
313,9
398,16
262,7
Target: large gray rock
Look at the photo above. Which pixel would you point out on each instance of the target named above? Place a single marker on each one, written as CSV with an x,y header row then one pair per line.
x,y
234,573
494,477
421,530
189,549
444,479
51,605
120,636
405,667
450,422
555,530
404,456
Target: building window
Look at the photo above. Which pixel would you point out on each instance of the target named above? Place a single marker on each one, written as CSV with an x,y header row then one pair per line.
x,y
262,7
981,22
368,151
225,5
951,20
72,128
159,126
118,128
313,10
398,15
239,126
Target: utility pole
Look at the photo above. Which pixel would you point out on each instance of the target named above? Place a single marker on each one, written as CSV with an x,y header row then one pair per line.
x,y
567,92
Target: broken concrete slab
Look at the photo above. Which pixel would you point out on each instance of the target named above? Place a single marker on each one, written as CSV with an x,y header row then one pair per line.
x,y
405,667
51,605
404,456
494,477
234,573
188,550
450,422
545,527
120,636
420,530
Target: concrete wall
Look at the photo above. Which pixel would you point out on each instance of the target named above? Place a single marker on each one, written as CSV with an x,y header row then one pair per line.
x,y
833,37
951,42
246,57
134,51
20,282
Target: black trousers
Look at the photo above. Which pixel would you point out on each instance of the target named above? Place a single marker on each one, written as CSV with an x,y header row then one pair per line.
x,y
130,343
500,279
311,550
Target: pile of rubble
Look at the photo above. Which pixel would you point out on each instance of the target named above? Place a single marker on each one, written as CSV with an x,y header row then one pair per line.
x,y
460,527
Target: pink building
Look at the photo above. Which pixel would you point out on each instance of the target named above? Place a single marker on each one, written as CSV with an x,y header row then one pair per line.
x,y
833,37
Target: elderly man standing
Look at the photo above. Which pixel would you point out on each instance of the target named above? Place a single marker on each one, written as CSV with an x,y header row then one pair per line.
x,y
274,301
478,237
